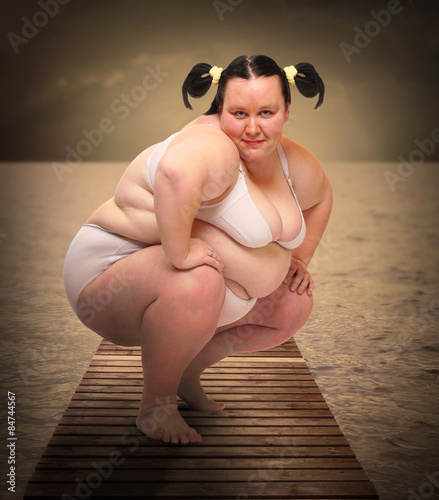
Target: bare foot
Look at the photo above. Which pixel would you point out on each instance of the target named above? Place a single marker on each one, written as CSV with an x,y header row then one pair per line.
x,y
163,422
192,393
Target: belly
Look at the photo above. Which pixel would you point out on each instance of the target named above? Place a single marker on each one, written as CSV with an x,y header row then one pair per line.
x,y
136,223
249,272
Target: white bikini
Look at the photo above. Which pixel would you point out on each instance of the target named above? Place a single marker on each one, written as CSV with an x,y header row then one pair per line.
x,y
94,249
236,214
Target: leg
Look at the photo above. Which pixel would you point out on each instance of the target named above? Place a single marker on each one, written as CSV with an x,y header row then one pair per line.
x,y
272,321
172,314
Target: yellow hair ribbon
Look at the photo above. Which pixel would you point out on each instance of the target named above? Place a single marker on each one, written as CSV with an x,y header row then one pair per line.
x,y
291,72
215,73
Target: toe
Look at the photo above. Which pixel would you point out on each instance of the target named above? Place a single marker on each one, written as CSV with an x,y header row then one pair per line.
x,y
166,436
194,437
174,438
159,433
184,438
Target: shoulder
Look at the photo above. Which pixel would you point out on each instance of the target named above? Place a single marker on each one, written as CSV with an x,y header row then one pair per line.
x,y
201,156
203,147
307,174
203,141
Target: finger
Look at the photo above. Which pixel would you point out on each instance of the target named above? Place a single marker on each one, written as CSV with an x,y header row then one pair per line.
x,y
303,286
290,274
298,278
214,255
306,285
215,263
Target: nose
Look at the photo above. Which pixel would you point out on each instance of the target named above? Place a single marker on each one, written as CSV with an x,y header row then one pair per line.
x,y
253,128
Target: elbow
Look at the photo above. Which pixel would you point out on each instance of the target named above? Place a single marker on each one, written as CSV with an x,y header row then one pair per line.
x,y
327,198
169,173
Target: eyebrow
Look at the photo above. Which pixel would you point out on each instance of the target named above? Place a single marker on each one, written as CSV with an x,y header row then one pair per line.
x,y
260,107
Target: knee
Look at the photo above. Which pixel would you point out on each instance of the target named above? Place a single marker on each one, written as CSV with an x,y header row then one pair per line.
x,y
296,315
306,304
202,285
292,313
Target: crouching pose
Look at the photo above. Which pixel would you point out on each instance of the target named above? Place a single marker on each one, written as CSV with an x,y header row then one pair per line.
x,y
203,249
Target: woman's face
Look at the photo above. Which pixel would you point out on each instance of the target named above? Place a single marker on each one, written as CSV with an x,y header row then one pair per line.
x,y
253,115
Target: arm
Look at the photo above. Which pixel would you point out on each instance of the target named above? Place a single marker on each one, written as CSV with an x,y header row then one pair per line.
x,y
316,219
316,195
186,176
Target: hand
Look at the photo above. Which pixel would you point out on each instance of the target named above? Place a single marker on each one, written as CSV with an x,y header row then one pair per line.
x,y
200,253
300,278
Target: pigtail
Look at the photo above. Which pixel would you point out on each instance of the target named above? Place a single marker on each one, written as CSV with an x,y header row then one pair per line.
x,y
197,83
309,83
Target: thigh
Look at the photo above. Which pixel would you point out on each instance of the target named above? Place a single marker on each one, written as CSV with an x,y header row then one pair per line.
x,y
114,303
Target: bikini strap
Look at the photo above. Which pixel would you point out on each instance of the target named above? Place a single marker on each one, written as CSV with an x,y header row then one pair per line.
x,y
283,161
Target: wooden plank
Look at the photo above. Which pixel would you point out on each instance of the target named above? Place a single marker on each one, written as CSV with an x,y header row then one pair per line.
x,y
133,462
239,392
222,440
127,420
276,439
197,490
211,475
267,367
286,373
236,405
108,430
187,451
232,384
298,362
117,388
293,353
276,396
262,390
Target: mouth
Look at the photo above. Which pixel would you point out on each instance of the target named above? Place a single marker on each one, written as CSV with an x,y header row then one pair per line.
x,y
253,143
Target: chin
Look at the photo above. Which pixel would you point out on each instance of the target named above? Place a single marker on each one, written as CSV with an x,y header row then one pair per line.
x,y
252,157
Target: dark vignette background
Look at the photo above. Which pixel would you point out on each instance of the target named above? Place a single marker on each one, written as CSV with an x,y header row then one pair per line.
x,y
76,70
381,95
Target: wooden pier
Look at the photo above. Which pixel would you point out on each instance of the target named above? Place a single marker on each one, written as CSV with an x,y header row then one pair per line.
x,y
276,439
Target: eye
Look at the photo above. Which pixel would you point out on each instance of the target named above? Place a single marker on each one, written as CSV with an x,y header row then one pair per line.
x,y
239,114
266,113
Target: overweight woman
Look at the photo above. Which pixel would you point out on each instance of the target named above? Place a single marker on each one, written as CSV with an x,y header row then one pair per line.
x,y
203,250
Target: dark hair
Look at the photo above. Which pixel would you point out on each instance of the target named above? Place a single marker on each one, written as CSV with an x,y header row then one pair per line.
x,y
198,81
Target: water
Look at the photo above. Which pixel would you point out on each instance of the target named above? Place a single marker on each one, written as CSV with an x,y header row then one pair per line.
x,y
371,341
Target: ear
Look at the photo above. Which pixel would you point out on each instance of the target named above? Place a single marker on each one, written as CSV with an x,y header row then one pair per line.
x,y
287,112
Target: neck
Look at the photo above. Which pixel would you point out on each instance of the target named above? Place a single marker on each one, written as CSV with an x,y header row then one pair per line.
x,y
263,170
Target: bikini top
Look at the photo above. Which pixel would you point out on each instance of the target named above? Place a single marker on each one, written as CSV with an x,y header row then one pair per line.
x,y
236,214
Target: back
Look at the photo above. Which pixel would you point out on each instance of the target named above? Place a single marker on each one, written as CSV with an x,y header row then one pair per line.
x,y
197,150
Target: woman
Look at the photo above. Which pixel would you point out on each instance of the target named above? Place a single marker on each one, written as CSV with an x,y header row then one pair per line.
x,y
203,249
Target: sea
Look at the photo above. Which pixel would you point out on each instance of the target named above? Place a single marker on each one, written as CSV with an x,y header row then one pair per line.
x,y
371,342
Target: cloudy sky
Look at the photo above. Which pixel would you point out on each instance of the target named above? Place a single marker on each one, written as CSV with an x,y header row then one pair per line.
x,y
118,66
